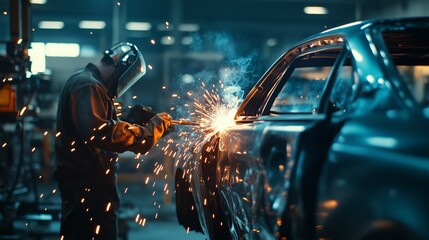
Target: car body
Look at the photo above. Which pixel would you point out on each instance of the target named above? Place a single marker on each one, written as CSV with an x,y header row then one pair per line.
x,y
331,143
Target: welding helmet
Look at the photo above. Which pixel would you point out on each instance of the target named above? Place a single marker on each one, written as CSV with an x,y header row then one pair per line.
x,y
129,67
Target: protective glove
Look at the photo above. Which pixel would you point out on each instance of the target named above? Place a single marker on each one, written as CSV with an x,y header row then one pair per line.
x,y
168,131
139,114
166,119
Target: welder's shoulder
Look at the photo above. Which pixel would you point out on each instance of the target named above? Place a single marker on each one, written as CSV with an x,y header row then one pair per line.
x,y
83,79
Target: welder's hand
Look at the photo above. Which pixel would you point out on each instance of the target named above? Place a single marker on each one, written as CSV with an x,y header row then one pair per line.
x,y
139,114
168,131
167,122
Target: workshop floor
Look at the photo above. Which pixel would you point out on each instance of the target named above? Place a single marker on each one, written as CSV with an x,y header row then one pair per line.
x,y
160,218
145,199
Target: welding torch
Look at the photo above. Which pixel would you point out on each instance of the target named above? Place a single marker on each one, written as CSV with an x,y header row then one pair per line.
x,y
185,122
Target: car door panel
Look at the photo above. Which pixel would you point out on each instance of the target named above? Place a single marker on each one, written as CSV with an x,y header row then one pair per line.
x,y
254,167
370,167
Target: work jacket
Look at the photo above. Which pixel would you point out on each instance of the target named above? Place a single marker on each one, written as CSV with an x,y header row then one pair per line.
x,y
89,134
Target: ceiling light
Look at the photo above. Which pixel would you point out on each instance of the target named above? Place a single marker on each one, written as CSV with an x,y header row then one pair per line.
x,y
51,24
187,40
92,24
271,42
38,1
167,40
188,27
62,49
315,10
138,26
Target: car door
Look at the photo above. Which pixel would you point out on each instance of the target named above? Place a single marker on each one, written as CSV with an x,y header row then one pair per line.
x,y
256,156
376,169
312,145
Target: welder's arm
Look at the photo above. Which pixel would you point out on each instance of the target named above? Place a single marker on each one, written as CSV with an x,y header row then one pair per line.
x,y
90,113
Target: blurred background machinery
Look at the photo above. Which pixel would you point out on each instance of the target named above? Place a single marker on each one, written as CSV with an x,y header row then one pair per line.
x,y
20,125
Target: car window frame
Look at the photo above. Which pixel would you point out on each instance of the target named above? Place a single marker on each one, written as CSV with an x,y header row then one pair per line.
x,y
281,82
333,77
253,105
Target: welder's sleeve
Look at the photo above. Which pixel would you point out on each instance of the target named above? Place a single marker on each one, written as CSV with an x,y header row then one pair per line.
x,y
90,110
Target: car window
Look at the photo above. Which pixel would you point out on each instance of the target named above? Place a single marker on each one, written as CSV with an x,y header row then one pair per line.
x,y
302,91
409,50
343,90
304,83
417,80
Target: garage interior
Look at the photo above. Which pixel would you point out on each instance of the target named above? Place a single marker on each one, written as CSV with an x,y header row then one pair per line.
x,y
43,42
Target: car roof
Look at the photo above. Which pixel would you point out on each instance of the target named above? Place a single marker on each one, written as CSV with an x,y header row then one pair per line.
x,y
352,28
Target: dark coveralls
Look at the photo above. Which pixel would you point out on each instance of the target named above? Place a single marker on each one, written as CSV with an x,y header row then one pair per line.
x,y
90,137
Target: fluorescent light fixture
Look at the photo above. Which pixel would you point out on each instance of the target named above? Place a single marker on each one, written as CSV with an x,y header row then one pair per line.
x,y
37,57
138,26
86,24
51,24
167,40
187,40
38,1
271,42
188,27
315,10
62,49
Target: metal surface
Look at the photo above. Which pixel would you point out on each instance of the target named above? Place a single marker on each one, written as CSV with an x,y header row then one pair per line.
x,y
355,167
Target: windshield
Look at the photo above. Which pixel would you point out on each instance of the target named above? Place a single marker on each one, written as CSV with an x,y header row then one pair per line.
x,y
409,50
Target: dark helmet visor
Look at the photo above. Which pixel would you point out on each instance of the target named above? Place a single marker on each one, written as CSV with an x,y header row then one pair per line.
x,y
132,74
130,66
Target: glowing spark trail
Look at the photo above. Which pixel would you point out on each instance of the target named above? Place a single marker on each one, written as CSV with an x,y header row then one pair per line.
x,y
211,114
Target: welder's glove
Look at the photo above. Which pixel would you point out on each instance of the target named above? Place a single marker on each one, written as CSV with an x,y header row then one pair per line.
x,y
139,114
168,131
166,123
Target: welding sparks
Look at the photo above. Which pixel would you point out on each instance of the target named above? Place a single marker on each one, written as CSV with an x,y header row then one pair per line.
x,y
218,120
212,115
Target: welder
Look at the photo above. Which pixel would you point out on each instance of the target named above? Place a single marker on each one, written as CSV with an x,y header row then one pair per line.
x,y
90,136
